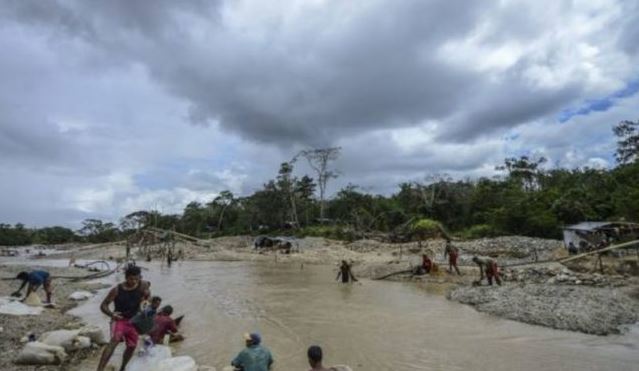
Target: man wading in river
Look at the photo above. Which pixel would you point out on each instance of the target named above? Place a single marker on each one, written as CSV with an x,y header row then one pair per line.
x,y
452,253
345,272
127,298
489,266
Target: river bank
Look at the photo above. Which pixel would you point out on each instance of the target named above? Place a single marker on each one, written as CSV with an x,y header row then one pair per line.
x,y
14,327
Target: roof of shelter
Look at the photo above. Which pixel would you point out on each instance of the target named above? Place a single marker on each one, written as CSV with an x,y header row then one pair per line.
x,y
593,226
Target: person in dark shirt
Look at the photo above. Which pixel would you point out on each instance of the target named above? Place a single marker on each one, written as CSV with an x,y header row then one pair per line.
x,y
34,279
345,273
127,297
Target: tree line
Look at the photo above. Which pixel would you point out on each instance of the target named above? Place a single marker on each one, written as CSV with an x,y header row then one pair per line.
x,y
526,200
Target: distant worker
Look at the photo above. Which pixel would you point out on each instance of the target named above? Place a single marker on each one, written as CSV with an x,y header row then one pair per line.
x,y
346,273
127,297
34,279
453,254
169,257
490,268
427,264
315,359
165,325
254,357
572,249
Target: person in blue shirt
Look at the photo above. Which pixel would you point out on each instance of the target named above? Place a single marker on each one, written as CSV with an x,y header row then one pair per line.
x,y
254,357
35,279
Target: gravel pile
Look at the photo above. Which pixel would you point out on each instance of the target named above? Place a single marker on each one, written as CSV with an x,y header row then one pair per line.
x,y
510,246
592,310
561,276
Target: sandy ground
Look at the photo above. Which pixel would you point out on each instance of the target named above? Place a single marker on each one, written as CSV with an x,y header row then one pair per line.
x,y
16,327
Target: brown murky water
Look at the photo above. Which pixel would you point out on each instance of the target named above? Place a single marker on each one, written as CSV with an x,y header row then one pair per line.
x,y
372,326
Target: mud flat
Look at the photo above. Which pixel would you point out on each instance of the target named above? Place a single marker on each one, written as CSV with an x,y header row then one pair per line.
x,y
16,327
591,310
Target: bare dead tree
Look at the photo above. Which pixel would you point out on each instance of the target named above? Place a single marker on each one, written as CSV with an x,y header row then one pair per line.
x,y
318,160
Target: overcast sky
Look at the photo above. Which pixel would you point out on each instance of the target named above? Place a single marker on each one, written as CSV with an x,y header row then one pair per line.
x,y
107,107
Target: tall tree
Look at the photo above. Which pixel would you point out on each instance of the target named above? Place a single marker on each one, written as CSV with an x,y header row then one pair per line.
x,y
286,183
318,160
628,143
524,170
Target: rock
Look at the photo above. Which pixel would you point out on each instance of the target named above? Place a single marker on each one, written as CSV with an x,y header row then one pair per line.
x,y
36,353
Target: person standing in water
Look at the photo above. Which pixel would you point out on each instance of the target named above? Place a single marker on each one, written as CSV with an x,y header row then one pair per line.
x,y
127,297
346,273
453,254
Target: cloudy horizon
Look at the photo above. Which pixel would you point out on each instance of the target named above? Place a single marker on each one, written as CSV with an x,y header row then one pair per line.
x,y
112,107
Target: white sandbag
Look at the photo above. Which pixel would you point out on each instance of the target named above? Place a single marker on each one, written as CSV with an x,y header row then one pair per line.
x,y
342,368
36,353
94,333
80,295
182,363
33,300
17,308
82,342
68,339
150,360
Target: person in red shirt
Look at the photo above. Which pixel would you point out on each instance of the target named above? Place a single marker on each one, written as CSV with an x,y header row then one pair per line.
x,y
427,264
164,325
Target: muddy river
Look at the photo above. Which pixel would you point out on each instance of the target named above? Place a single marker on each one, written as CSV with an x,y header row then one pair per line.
x,y
369,326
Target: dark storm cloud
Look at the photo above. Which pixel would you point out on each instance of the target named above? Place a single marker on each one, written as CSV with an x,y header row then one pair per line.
x,y
374,69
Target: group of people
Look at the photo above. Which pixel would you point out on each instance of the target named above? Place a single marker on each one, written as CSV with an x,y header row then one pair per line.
x,y
133,315
256,357
488,267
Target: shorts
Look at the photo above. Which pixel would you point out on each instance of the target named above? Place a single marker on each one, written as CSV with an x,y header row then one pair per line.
x,y
123,330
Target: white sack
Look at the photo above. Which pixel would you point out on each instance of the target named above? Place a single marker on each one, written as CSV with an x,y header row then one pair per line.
x,y
150,360
182,363
36,353
94,333
17,308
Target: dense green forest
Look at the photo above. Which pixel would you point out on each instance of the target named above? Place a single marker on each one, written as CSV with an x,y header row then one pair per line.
x,y
526,200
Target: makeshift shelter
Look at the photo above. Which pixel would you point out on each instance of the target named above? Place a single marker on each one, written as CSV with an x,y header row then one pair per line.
x,y
594,234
